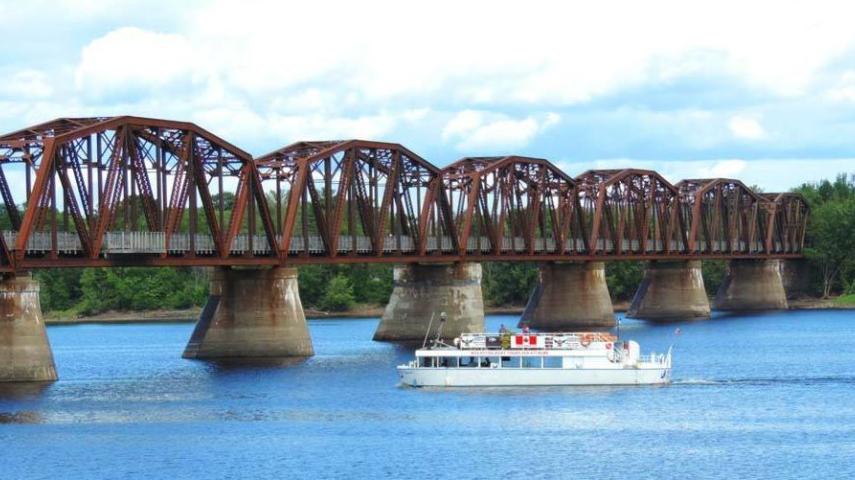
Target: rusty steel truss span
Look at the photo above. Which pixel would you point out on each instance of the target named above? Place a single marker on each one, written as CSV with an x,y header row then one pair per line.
x,y
138,191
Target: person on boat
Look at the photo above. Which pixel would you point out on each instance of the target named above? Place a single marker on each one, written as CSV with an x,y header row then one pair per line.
x,y
525,328
503,329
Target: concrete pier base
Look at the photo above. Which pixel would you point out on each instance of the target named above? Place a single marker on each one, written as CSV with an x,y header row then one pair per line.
x,y
671,291
752,285
422,290
251,313
25,354
570,296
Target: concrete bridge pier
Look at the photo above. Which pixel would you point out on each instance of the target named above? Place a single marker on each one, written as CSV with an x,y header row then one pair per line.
x,y
421,290
752,285
671,291
251,313
570,296
25,354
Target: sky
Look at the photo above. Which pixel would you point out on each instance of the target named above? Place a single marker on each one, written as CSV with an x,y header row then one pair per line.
x,y
760,91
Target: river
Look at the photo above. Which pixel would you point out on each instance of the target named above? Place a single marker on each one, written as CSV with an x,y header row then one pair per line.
x,y
762,396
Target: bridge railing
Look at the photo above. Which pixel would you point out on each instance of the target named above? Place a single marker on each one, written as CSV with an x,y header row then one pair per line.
x,y
129,243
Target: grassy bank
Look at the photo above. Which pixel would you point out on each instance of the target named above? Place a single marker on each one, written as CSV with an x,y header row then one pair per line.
x,y
845,300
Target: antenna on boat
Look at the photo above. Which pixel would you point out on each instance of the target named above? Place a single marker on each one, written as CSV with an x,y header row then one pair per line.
x,y
427,333
617,324
442,318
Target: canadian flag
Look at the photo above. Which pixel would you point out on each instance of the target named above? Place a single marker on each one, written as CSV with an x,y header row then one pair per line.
x,y
525,340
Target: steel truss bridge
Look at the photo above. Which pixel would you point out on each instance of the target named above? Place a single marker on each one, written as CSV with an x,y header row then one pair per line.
x,y
82,192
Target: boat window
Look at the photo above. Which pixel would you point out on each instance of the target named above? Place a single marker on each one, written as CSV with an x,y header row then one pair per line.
x,y
510,362
531,362
468,362
487,362
425,362
551,362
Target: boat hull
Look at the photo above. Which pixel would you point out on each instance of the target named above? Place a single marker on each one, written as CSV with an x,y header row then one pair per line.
x,y
515,377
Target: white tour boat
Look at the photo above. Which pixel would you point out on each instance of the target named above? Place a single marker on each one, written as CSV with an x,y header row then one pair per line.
x,y
528,359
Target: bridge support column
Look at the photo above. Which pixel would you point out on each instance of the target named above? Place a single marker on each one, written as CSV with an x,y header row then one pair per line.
x,y
251,313
671,291
569,296
25,354
752,285
422,290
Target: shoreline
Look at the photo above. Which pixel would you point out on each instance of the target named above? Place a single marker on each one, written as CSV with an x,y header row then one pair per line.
x,y
192,314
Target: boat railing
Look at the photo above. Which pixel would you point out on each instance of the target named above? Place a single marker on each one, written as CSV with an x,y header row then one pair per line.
x,y
512,332
591,336
656,358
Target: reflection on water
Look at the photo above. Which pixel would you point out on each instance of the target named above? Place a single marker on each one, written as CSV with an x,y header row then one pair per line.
x,y
251,363
768,396
22,390
20,417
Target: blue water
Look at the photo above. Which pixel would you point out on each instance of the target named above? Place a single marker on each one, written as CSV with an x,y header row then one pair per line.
x,y
764,396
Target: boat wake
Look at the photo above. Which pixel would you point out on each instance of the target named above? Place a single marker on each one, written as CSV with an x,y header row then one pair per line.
x,y
829,380
696,381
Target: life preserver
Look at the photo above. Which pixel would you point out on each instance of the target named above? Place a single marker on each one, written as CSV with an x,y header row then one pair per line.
x,y
586,339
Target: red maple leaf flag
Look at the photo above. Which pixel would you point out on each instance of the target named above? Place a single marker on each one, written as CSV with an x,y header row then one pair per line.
x,y
523,341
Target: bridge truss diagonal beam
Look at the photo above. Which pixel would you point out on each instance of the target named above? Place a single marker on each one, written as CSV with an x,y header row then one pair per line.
x,y
127,190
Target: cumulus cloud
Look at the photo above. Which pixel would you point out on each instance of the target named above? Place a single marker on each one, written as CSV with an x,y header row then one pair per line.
x,y
563,58
471,129
676,81
130,58
526,56
746,128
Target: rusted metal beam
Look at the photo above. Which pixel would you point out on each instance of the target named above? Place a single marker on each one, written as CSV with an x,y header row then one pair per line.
x,y
602,214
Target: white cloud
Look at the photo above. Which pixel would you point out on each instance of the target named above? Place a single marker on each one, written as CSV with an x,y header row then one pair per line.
x,y
416,114
844,89
319,127
266,73
29,84
726,169
130,58
274,130
746,128
463,123
472,129
543,54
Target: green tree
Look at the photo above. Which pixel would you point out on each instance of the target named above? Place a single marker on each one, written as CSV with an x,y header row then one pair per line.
x,y
60,288
623,278
830,233
713,272
508,283
372,283
313,281
833,243
338,295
